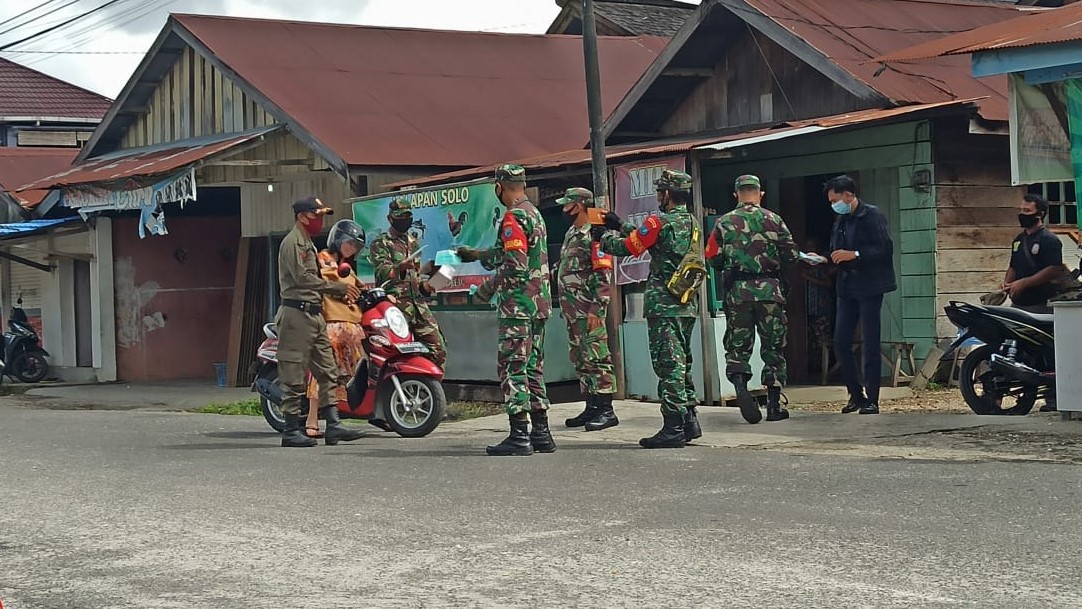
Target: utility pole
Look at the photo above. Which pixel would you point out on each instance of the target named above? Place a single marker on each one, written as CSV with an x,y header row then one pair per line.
x,y
593,102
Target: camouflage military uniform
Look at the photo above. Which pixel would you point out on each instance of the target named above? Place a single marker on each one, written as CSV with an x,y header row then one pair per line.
x,y
385,253
669,322
751,245
521,287
584,275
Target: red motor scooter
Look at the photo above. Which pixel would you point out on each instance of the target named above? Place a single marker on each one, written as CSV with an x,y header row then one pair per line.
x,y
395,387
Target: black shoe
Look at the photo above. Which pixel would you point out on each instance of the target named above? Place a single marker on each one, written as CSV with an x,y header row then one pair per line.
x,y
335,431
384,425
671,434
692,430
749,407
541,437
869,408
604,416
292,436
587,414
516,444
856,402
774,411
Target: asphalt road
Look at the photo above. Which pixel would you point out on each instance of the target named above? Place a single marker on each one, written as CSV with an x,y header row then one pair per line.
x,y
162,510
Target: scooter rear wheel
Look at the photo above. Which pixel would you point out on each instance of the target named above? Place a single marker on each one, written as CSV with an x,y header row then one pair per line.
x,y
30,367
986,392
423,410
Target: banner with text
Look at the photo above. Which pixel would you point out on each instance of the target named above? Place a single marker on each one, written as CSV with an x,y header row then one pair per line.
x,y
634,198
444,218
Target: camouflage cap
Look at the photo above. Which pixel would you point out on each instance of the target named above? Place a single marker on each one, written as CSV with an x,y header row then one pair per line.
x,y
400,207
577,195
747,180
511,173
672,179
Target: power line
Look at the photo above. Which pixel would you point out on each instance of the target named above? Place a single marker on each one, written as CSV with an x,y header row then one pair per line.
x,y
28,11
78,52
76,38
38,18
58,26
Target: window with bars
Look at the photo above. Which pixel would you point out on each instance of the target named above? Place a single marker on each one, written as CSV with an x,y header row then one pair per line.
x,y
1062,202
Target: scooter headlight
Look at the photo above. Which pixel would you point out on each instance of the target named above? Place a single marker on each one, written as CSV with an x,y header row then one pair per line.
x,y
396,321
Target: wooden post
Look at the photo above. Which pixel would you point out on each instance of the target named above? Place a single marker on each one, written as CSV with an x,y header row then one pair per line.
x,y
616,318
236,318
706,330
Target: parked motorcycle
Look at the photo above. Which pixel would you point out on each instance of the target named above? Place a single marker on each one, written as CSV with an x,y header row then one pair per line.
x,y
1013,368
395,387
24,358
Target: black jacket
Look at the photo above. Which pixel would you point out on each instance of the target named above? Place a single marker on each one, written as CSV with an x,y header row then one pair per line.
x,y
865,231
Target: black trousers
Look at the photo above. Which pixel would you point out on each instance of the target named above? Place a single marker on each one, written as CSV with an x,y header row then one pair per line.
x,y
864,310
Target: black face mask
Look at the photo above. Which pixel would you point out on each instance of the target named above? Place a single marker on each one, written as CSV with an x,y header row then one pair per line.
x,y
1028,220
402,224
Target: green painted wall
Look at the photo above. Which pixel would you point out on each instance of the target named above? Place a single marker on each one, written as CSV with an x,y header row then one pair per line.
x,y
886,158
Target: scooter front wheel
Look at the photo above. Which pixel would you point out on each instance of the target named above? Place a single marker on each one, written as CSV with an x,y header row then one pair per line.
x,y
422,410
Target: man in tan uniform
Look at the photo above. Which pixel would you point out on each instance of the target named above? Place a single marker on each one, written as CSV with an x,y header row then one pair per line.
x,y
302,333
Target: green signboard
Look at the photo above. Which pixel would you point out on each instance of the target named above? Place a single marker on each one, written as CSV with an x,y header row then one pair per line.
x,y
444,217
1074,122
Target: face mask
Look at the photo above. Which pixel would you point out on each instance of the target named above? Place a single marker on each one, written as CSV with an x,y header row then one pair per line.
x,y
1028,220
571,215
402,225
314,226
841,207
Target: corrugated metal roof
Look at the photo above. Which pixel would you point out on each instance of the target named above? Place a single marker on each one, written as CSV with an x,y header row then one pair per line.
x,y
22,165
25,92
408,97
154,160
850,32
578,157
1040,26
645,17
32,227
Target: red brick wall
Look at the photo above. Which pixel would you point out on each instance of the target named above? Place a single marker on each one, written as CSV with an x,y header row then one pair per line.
x,y
173,297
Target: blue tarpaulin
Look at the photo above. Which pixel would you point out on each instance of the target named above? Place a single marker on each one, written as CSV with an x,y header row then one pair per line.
x,y
33,227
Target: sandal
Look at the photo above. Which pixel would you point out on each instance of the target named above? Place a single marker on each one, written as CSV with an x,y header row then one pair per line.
x,y
309,429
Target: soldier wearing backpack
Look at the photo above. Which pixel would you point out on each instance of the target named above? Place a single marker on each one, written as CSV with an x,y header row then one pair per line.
x,y
671,308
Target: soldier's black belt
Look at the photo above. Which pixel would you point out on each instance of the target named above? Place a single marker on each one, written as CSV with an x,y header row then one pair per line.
x,y
310,308
743,276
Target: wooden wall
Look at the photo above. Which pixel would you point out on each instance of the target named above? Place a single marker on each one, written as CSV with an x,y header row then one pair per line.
x,y
733,95
976,209
194,99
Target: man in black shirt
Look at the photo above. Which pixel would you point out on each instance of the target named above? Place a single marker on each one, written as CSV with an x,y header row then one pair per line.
x,y
1036,258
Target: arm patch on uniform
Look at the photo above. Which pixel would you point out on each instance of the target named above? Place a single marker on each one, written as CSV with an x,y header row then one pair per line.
x,y
512,235
601,261
645,236
712,247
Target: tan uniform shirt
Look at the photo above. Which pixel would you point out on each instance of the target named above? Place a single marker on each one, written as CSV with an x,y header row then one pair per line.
x,y
298,271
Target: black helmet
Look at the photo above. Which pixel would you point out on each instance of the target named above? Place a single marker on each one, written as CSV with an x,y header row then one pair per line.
x,y
343,231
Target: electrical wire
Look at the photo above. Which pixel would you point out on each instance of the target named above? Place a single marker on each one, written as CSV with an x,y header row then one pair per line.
x,y
46,31
38,18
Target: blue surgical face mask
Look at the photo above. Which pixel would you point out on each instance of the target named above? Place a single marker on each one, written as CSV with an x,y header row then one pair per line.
x,y
841,207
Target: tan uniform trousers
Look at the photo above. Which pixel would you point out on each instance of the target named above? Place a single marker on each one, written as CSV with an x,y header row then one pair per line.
x,y
303,345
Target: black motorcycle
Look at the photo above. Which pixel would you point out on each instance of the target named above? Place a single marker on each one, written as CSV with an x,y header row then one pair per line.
x,y
1016,364
24,358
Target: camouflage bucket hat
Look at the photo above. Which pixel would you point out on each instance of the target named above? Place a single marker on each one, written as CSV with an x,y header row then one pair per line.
x,y
674,180
747,180
576,195
400,208
511,173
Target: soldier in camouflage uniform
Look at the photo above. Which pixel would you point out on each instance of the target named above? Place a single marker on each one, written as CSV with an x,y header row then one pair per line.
x,y
524,302
668,237
585,279
750,245
390,257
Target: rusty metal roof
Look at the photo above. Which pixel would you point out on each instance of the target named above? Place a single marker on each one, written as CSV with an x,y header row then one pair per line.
x,y
148,161
27,93
580,157
410,97
21,165
1038,26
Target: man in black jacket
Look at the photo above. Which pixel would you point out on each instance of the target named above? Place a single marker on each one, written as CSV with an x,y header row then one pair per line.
x,y
861,247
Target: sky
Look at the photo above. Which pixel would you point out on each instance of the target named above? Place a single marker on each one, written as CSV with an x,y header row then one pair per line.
x,y
99,52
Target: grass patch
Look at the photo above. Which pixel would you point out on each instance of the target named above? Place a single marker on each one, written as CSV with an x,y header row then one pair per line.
x,y
249,408
460,411
15,389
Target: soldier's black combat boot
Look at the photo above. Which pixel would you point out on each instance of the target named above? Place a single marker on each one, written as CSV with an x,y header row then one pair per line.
x,y
335,431
692,430
292,436
517,443
541,437
670,436
586,415
605,416
749,407
856,402
774,411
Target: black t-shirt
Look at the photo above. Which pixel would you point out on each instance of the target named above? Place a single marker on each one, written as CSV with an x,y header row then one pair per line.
x,y
1030,254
